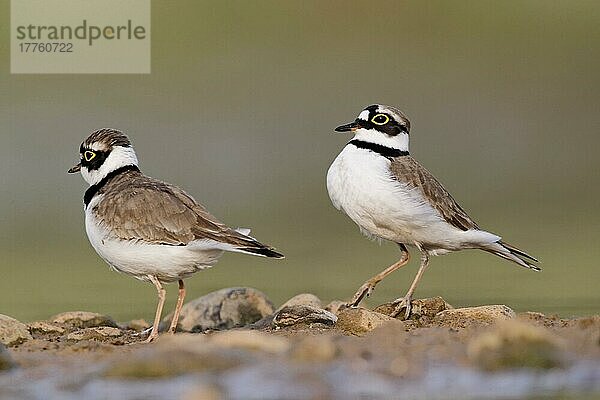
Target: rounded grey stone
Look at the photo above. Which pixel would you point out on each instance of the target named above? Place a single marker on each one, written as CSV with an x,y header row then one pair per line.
x,y
224,309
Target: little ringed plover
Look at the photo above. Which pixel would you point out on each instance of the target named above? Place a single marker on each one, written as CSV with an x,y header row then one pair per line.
x,y
147,228
390,196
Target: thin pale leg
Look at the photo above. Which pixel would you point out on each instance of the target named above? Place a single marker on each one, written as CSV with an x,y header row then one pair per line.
x,y
180,297
405,301
161,302
367,288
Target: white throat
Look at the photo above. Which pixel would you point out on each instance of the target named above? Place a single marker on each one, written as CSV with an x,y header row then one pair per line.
x,y
118,157
399,142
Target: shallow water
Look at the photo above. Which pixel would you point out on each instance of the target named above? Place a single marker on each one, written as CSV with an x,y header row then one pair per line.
x,y
271,380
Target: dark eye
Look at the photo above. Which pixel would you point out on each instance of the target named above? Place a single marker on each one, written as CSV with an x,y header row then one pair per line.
x,y
89,155
380,119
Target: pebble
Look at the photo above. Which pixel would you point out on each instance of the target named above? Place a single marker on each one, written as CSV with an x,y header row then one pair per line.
x,y
13,332
303,316
97,333
464,317
358,321
302,299
428,308
45,327
224,309
83,319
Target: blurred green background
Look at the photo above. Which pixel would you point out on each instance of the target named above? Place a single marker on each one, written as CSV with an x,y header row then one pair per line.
x,y
240,109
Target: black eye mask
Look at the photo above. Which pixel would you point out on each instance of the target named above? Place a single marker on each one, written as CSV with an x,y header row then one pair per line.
x,y
95,162
391,128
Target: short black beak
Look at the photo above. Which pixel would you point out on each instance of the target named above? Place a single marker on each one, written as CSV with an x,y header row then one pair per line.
x,y
74,168
352,126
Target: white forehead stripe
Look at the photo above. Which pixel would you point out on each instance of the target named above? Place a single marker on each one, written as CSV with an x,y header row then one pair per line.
x,y
364,115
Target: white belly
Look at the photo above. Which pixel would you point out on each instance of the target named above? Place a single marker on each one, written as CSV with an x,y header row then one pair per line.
x,y
167,263
360,184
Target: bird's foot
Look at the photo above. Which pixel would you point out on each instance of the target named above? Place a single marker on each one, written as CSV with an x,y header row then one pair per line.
x,y
402,303
151,338
364,291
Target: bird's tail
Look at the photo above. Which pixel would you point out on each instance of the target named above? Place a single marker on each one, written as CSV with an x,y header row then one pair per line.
x,y
512,253
260,251
237,240
254,247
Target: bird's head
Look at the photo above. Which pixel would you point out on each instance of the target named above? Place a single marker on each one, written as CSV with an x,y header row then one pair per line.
x,y
103,152
380,124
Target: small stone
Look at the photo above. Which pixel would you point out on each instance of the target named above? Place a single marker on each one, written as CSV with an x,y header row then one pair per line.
x,y
251,340
302,316
315,349
516,344
6,361
224,309
12,332
303,299
420,308
98,333
465,317
334,306
137,325
83,319
45,327
359,321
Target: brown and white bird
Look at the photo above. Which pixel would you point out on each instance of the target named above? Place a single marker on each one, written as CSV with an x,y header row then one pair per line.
x,y
147,228
390,196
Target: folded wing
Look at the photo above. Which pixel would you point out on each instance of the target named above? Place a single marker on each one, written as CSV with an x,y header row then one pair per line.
x,y
155,212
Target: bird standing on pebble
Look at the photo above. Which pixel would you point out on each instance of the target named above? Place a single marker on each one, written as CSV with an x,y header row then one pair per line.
x,y
390,196
147,228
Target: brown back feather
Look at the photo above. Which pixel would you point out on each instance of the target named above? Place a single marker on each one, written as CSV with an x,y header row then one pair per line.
x,y
146,209
407,170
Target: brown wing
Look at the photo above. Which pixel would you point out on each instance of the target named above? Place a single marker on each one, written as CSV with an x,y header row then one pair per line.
x,y
406,169
143,208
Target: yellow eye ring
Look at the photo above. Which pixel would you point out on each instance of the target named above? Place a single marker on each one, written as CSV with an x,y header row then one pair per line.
x,y
380,119
89,155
